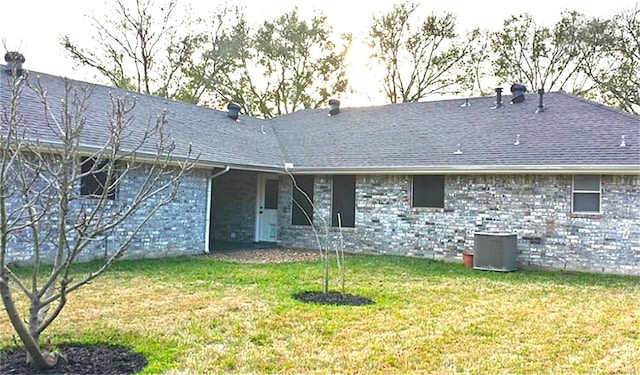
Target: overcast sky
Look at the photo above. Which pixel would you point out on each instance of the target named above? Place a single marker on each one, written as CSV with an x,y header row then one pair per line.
x,y
34,26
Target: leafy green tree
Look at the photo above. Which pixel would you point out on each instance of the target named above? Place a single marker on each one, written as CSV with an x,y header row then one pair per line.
x,y
214,56
279,67
541,58
419,61
612,58
476,67
285,64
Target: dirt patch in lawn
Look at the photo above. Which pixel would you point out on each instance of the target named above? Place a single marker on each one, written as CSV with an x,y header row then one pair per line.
x,y
265,255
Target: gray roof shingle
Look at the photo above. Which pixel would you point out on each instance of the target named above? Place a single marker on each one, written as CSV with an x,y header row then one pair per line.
x,y
219,140
571,134
423,136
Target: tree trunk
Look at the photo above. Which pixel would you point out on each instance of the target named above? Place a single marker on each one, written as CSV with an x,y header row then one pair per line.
x,y
326,271
35,356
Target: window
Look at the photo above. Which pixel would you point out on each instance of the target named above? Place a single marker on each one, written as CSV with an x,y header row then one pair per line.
x,y
271,195
428,191
344,200
586,194
302,201
93,183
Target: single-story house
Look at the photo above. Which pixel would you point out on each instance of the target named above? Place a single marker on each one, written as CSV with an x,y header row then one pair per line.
x,y
417,179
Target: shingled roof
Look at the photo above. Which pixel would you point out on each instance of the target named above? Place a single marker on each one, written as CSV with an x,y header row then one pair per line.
x,y
571,134
247,143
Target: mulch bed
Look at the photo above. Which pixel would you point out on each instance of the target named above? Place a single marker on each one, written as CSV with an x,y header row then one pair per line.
x,y
333,298
80,360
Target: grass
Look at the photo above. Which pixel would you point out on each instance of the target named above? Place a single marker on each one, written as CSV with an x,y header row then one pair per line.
x,y
200,315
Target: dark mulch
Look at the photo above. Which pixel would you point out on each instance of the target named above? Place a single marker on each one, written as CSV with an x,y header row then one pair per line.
x,y
333,298
80,360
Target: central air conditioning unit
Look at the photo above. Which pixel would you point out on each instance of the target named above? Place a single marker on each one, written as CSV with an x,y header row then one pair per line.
x,y
495,251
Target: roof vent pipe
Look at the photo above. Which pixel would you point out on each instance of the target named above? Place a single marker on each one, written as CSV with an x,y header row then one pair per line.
x,y
517,91
14,62
498,98
234,110
334,107
623,143
540,101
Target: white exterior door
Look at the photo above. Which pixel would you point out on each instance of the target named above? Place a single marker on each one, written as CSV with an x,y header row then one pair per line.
x,y
267,220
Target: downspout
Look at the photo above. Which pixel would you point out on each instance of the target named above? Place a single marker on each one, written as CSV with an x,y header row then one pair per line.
x,y
207,224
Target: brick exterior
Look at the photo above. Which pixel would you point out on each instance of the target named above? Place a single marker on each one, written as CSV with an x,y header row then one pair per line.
x,y
536,207
233,214
176,229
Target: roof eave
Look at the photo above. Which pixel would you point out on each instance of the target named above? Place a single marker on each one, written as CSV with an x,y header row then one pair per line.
x,y
623,169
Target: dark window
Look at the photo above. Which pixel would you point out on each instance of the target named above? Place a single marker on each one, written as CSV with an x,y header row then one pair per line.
x,y
344,201
302,202
428,191
586,194
271,195
95,181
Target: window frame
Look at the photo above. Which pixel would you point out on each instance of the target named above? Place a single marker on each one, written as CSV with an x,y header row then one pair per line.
x,y
426,177
575,191
350,219
298,209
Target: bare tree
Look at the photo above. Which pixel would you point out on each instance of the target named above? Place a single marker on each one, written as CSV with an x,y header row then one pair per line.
x,y
321,232
419,61
139,47
56,194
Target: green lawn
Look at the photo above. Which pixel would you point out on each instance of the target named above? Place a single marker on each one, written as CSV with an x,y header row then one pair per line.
x,y
199,315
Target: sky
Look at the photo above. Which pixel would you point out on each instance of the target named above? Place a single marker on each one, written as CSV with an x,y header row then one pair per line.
x,y
34,27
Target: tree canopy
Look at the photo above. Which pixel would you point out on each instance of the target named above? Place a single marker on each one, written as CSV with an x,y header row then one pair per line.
x,y
418,61
280,65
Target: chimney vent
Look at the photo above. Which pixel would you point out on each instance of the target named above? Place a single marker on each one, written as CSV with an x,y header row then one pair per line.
x,y
334,107
540,101
14,62
234,110
517,91
498,98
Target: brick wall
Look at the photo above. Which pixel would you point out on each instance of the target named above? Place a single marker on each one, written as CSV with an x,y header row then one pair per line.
x,y
234,206
176,229
536,207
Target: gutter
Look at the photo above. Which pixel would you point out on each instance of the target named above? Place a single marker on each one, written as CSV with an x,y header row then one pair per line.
x,y
207,225
623,169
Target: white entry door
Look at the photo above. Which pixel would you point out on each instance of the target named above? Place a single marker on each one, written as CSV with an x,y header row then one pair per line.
x,y
267,222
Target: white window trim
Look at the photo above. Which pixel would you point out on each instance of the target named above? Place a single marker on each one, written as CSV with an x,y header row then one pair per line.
x,y
574,191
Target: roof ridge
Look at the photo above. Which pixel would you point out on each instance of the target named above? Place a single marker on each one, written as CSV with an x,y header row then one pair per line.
x,y
598,104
